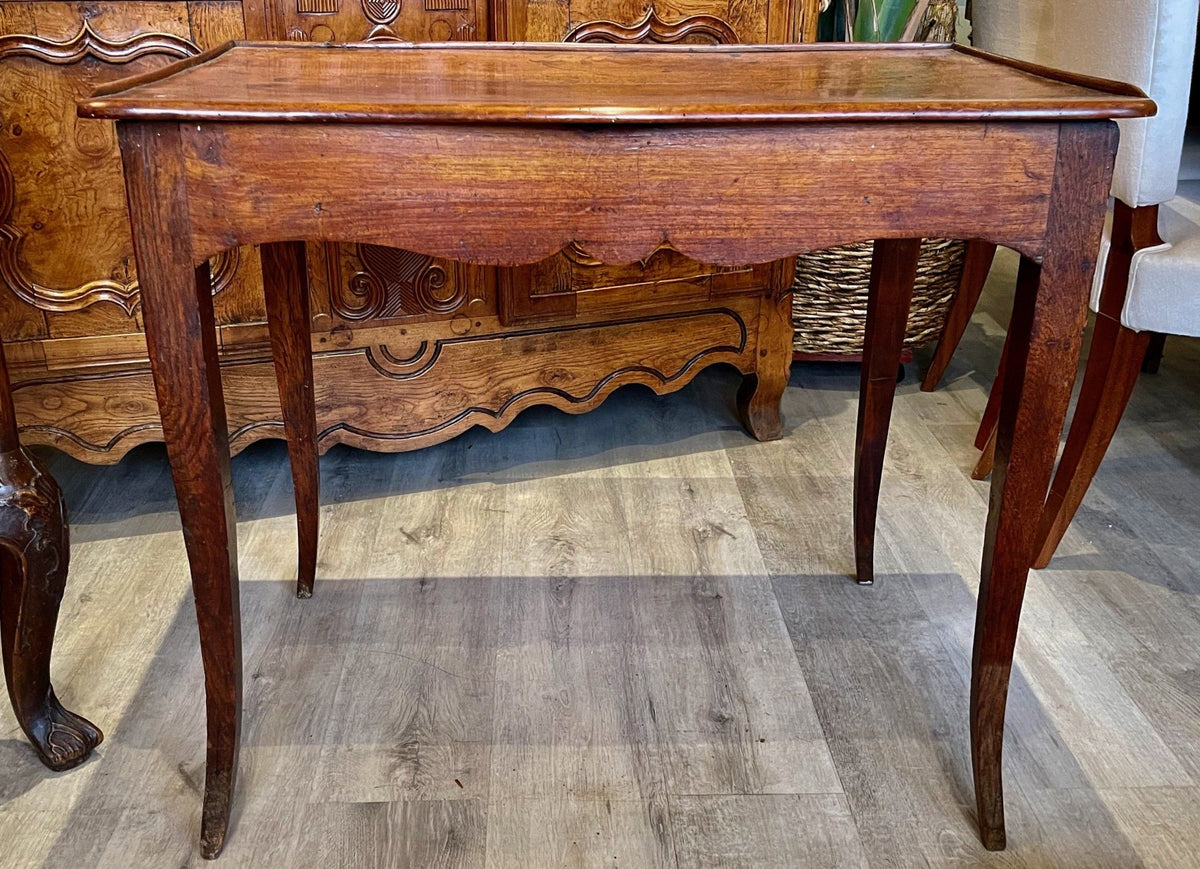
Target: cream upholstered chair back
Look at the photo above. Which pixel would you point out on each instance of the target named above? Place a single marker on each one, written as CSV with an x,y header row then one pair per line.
x,y
1149,43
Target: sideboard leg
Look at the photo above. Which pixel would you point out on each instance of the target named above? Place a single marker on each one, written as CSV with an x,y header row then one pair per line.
x,y
1044,337
34,553
760,396
181,334
893,272
285,285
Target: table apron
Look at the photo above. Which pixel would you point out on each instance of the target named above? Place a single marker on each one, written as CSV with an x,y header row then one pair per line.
x,y
511,195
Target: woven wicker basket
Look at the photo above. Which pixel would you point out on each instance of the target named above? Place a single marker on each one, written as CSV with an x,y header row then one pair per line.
x,y
829,302
829,307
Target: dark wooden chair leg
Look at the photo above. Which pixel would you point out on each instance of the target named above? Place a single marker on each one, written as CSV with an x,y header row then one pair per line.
x,y
976,265
1044,340
285,285
893,271
34,554
985,437
760,396
1113,365
1154,353
183,351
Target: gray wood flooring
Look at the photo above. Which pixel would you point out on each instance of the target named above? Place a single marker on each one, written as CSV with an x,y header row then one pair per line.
x,y
629,639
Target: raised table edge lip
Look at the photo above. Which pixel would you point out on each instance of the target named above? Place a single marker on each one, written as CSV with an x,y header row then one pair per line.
x,y
1115,100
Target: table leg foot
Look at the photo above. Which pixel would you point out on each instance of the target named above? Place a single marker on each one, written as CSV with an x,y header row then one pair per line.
x,y
893,271
35,550
218,803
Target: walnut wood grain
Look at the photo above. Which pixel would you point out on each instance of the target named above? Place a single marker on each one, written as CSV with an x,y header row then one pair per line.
x,y
178,314
1049,313
889,295
456,194
361,403
61,252
618,191
530,83
651,28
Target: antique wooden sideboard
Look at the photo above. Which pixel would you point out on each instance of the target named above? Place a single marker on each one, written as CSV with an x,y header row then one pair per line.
x,y
419,348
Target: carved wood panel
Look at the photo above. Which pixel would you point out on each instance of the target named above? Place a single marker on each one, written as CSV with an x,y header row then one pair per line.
x,y
398,387
656,21
369,282
702,29
66,258
359,20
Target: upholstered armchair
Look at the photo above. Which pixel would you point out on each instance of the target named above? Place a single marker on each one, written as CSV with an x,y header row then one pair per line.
x,y
1148,277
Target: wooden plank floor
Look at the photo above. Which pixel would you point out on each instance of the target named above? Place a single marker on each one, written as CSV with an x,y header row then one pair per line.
x,y
629,639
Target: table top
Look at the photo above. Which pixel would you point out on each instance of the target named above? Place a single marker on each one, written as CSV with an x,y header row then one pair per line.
x,y
606,84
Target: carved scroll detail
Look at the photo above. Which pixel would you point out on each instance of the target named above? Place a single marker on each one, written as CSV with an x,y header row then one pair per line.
x,y
88,43
651,28
395,283
121,292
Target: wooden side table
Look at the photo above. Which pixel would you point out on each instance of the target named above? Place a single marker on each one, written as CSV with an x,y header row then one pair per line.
x,y
34,553
504,154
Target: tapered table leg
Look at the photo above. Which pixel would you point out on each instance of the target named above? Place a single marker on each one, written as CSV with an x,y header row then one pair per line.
x,y
893,271
985,437
285,285
180,331
976,265
1049,314
34,552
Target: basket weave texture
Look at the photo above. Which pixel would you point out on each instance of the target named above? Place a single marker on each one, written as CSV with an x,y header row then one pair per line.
x,y
829,302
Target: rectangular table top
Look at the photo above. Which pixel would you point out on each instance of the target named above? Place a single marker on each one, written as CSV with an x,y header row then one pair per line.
x,y
607,84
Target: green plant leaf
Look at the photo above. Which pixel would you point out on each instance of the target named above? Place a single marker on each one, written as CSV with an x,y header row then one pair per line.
x,y
882,20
